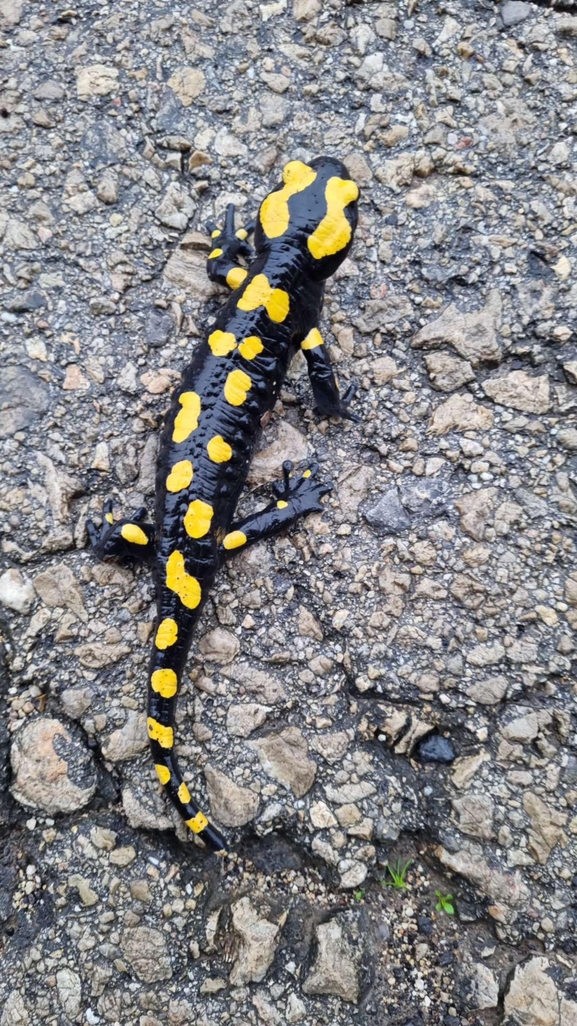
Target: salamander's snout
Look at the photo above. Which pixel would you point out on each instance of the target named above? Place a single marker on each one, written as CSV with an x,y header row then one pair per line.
x,y
314,208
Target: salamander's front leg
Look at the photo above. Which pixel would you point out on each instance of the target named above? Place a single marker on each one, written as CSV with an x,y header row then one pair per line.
x,y
325,389
222,264
294,497
122,538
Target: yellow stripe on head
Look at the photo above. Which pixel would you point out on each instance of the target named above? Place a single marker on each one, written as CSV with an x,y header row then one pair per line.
x,y
334,232
215,253
180,476
198,823
274,214
167,633
187,418
184,585
164,682
158,732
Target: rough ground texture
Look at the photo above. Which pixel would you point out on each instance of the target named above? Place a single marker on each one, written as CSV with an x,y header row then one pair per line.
x,y
394,679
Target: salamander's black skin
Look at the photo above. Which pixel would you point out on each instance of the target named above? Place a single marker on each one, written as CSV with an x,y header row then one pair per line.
x,y
303,232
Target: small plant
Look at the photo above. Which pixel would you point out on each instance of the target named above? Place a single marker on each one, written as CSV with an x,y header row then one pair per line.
x,y
445,903
359,895
398,874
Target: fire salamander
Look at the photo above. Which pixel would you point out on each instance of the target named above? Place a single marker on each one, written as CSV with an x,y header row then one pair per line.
x,y
303,231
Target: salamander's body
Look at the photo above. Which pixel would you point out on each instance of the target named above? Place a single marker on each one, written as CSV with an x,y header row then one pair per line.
x,y
303,232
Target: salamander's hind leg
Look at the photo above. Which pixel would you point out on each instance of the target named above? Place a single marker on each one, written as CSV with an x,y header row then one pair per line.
x,y
294,497
329,401
122,538
222,265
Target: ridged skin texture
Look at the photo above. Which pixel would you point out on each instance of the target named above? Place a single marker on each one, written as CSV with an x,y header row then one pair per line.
x,y
303,231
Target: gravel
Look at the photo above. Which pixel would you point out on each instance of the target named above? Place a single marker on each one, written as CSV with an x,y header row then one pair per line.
x,y
432,606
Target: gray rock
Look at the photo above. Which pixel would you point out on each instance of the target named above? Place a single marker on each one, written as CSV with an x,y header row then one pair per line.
x,y
388,516
146,952
258,938
103,145
158,327
16,592
52,770
472,335
23,399
230,804
475,812
520,391
69,989
58,587
425,497
176,207
335,970
241,720
285,758
447,373
532,996
513,12
128,741
483,987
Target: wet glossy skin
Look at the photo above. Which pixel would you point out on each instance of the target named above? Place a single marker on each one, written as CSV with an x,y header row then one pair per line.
x,y
303,232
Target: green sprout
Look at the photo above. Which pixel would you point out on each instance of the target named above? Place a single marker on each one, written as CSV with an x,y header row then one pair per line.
x,y
444,903
397,873
359,895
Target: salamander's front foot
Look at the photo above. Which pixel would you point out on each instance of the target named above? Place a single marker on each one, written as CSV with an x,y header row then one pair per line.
x,y
228,245
122,538
303,493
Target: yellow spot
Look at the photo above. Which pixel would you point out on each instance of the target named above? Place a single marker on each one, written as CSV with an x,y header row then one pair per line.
x,y
183,794
307,473
250,347
167,633
274,213
259,292
221,342
234,540
334,231
158,732
133,533
109,518
281,504
215,233
241,233
236,387
198,823
218,450
164,682
187,418
163,773
235,277
197,520
313,339
215,253
180,476
186,587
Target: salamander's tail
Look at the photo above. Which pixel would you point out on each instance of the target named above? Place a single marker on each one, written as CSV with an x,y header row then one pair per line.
x,y
165,673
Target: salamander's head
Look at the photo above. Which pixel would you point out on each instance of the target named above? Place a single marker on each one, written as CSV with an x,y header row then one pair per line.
x,y
314,208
